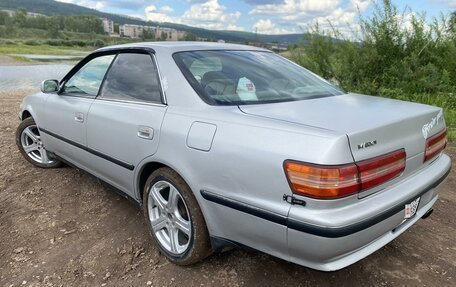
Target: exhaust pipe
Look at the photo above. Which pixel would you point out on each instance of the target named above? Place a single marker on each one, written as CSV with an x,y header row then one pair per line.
x,y
427,214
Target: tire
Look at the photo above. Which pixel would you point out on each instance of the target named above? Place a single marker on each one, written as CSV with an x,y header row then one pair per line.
x,y
174,218
29,142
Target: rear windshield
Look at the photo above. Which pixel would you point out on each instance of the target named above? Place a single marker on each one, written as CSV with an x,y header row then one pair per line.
x,y
250,77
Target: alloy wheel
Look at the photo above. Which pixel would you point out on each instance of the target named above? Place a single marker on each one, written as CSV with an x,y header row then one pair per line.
x,y
169,217
33,146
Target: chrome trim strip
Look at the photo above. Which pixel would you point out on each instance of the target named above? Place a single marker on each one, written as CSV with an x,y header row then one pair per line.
x,y
131,102
160,79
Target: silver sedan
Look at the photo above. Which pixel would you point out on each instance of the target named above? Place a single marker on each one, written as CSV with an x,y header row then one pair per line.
x,y
227,145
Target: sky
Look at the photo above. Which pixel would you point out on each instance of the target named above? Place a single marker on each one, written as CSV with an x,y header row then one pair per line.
x,y
261,16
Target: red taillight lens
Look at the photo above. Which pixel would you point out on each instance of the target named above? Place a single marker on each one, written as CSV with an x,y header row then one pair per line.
x,y
322,181
435,145
380,169
329,182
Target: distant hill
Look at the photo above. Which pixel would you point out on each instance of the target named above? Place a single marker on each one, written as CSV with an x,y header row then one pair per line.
x,y
54,8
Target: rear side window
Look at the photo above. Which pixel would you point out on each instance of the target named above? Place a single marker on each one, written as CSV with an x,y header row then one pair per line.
x,y
132,77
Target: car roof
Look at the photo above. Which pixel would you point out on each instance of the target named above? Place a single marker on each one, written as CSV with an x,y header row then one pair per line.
x,y
180,46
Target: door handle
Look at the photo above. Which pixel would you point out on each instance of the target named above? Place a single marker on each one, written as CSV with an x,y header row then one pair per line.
x,y
79,117
145,132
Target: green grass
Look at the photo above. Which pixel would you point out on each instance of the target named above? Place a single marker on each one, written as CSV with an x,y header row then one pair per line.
x,y
40,49
20,58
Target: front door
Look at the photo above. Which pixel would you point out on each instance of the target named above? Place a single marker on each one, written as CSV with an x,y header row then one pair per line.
x,y
123,125
65,117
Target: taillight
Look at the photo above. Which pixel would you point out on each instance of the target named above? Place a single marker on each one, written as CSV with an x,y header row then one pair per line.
x,y
328,182
380,169
435,144
322,181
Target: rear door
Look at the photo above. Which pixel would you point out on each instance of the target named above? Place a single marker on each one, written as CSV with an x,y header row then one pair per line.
x,y
64,126
123,125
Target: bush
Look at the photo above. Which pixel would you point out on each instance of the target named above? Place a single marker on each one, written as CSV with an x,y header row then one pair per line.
x,y
72,43
54,42
32,43
98,43
7,42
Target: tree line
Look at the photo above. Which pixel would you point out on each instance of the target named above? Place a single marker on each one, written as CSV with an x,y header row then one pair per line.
x,y
52,24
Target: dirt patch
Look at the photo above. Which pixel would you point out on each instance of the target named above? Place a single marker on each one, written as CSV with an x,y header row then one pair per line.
x,y
9,61
62,227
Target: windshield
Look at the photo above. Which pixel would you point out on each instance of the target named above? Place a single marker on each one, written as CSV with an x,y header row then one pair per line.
x,y
250,77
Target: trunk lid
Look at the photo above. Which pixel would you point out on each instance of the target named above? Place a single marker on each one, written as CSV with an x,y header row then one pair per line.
x,y
374,125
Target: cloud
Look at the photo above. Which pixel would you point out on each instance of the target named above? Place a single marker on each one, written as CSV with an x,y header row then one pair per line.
x,y
101,4
166,9
86,3
267,27
295,8
294,15
257,2
211,15
159,14
450,3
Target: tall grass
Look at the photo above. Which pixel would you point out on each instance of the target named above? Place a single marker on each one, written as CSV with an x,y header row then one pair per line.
x,y
393,54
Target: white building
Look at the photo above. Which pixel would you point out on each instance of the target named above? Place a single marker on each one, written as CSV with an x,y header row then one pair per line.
x,y
168,34
135,31
108,26
130,30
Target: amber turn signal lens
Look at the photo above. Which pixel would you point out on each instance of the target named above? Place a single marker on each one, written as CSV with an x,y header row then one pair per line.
x,y
322,181
329,182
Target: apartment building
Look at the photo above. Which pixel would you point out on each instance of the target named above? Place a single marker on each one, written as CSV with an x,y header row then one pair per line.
x,y
131,31
135,31
168,34
108,26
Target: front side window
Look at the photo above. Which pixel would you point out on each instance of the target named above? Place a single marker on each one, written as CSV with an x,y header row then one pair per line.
x,y
88,79
132,77
249,77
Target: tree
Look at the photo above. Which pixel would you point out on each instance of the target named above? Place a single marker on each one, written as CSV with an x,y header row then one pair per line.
x,y
3,17
52,27
147,34
163,36
190,37
21,17
452,23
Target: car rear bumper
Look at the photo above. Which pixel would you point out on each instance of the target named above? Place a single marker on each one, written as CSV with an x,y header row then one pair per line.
x,y
330,248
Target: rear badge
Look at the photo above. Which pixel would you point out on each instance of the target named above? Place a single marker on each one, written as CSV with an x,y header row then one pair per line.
x,y
367,144
433,122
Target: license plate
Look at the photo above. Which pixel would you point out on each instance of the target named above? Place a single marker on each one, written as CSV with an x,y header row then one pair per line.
x,y
411,208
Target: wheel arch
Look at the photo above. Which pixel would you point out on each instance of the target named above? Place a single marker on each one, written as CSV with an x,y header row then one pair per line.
x,y
150,166
144,173
25,114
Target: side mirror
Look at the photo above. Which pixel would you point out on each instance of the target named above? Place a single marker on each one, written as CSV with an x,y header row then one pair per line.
x,y
49,86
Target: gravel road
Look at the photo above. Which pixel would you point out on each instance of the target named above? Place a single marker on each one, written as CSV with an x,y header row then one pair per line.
x,y
62,227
